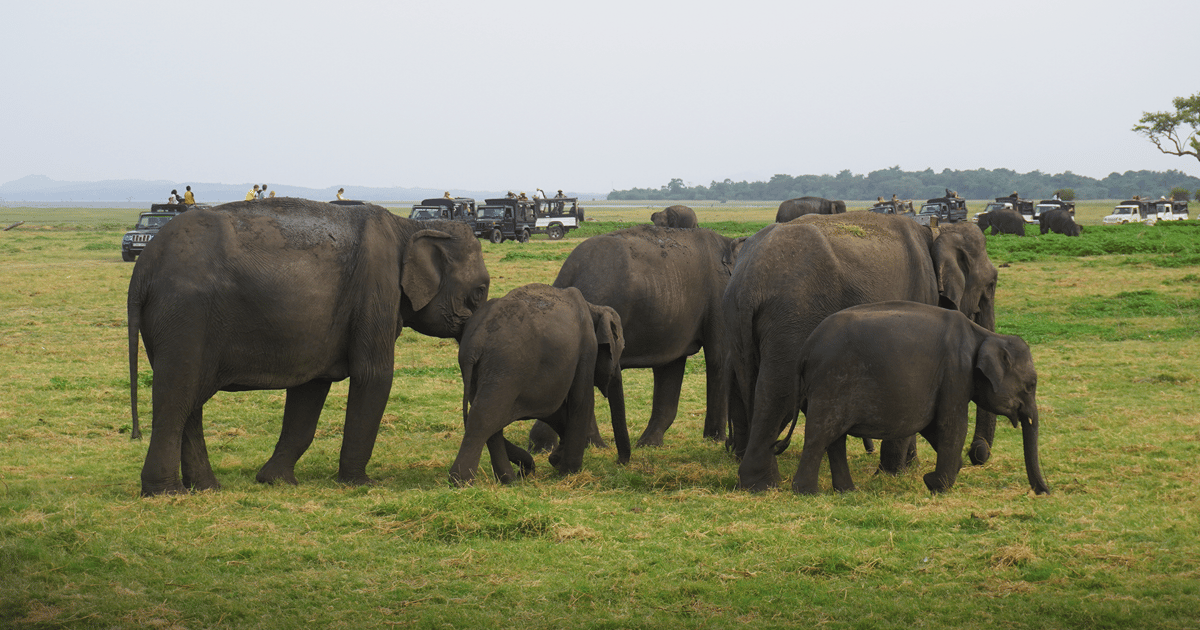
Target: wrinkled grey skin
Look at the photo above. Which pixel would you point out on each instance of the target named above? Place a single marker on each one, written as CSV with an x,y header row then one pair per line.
x,y
922,364
791,276
1059,221
666,285
288,294
1002,221
675,217
801,206
536,353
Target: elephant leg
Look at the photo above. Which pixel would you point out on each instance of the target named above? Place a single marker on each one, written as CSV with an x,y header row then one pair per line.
x,y
301,410
542,438
197,470
949,437
668,382
895,456
775,403
497,451
809,468
364,411
839,466
579,408
985,435
520,457
175,397
739,420
868,445
716,383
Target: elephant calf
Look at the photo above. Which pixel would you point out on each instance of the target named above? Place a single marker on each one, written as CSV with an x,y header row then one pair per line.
x,y
889,370
675,217
536,353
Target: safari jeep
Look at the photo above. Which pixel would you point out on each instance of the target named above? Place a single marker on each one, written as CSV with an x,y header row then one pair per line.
x,y
1171,210
942,210
510,218
1052,204
557,215
506,218
1014,201
456,209
149,223
1133,211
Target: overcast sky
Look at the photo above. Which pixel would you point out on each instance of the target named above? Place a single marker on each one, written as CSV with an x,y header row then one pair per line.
x,y
585,97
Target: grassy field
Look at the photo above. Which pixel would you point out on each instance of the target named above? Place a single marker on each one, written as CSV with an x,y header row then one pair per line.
x,y
666,541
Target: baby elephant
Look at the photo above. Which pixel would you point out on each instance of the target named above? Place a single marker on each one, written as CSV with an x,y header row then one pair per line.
x,y
536,353
890,370
676,217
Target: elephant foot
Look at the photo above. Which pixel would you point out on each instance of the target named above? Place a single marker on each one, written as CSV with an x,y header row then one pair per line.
x,y
868,445
716,435
201,485
596,440
165,490
936,483
360,479
273,473
980,452
650,439
805,486
461,479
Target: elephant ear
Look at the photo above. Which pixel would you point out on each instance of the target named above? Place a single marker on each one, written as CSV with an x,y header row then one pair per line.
x,y
993,361
610,343
424,261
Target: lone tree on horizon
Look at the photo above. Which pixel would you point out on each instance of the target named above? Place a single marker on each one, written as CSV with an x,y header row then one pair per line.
x,y
1177,130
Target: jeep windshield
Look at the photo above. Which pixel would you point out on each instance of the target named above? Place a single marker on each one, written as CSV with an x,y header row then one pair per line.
x,y
1125,210
148,222
422,214
491,212
996,206
932,208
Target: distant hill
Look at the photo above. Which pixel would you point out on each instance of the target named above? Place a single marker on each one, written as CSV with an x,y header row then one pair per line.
x,y
42,188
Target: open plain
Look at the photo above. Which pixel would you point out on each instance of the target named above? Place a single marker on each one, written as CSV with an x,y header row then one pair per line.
x,y
1113,319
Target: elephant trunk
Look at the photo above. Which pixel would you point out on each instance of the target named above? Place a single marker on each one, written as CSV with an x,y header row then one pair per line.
x,y
616,405
1029,433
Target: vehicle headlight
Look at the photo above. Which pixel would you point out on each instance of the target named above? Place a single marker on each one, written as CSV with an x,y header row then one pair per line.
x,y
128,238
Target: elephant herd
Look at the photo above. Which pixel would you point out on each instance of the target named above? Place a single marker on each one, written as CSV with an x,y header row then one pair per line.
x,y
871,325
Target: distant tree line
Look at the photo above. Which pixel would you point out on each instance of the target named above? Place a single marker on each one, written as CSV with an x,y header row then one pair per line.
x,y
927,184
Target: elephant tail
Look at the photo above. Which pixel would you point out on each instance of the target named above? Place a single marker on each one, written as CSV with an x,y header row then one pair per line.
x,y
135,324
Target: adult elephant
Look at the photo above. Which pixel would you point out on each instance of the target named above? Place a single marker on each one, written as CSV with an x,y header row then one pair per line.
x,y
675,216
801,206
1002,221
1059,221
791,276
537,353
288,294
666,286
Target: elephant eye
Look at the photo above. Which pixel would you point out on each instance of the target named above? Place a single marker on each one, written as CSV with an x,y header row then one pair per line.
x,y
479,295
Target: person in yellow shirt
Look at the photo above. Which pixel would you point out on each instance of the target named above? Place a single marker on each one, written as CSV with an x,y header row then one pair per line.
x,y
340,196
188,197
253,194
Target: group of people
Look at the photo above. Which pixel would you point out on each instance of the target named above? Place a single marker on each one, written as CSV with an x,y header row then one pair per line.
x,y
187,199
258,193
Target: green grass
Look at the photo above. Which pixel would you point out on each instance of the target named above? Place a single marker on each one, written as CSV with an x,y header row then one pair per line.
x,y
665,541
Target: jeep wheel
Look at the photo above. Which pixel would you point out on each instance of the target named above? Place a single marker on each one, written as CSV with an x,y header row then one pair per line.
x,y
497,236
555,232
128,256
524,235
